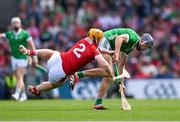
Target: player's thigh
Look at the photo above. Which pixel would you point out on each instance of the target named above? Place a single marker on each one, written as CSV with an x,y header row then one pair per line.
x,y
15,63
19,66
19,72
56,72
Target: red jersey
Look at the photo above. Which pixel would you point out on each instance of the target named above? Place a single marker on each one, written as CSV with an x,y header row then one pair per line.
x,y
79,55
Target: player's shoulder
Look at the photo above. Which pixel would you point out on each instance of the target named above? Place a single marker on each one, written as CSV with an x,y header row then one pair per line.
x,y
134,37
78,42
88,43
24,31
131,31
84,41
94,47
8,33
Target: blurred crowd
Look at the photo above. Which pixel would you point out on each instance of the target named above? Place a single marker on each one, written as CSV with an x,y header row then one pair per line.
x,y
58,24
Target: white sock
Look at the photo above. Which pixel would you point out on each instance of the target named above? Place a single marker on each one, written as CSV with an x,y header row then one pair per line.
x,y
23,94
18,91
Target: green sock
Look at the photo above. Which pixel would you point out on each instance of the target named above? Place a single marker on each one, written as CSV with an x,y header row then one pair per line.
x,y
80,74
98,101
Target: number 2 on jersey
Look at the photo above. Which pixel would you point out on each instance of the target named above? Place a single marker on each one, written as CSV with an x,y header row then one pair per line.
x,y
81,49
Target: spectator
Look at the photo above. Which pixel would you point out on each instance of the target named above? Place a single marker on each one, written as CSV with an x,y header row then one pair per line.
x,y
148,68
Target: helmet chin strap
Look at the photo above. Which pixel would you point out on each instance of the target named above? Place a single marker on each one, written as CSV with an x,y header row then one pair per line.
x,y
138,46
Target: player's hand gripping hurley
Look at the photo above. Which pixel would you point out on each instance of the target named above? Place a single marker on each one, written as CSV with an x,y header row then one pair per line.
x,y
124,103
26,51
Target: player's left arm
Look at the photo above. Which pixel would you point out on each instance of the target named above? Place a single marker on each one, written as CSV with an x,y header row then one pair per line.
x,y
122,61
104,65
32,46
105,69
124,38
121,64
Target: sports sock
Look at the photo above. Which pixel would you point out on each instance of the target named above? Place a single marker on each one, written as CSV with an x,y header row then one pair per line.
x,y
98,101
80,74
23,93
18,91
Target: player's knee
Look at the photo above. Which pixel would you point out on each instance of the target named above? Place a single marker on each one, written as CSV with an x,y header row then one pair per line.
x,y
20,71
106,79
57,82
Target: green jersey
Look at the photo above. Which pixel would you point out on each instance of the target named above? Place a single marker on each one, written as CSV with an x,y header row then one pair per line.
x,y
15,40
110,36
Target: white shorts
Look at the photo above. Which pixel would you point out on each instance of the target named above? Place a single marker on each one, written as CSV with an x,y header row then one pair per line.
x,y
56,72
104,44
15,63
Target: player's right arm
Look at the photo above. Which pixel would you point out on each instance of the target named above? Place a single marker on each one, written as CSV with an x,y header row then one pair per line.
x,y
31,45
2,35
124,38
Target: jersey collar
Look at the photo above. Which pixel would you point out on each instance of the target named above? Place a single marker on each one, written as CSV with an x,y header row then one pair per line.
x,y
89,40
17,33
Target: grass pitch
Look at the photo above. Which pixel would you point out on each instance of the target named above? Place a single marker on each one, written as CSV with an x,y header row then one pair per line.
x,y
149,110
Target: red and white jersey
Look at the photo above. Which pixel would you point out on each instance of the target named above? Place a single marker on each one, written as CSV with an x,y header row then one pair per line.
x,y
83,52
